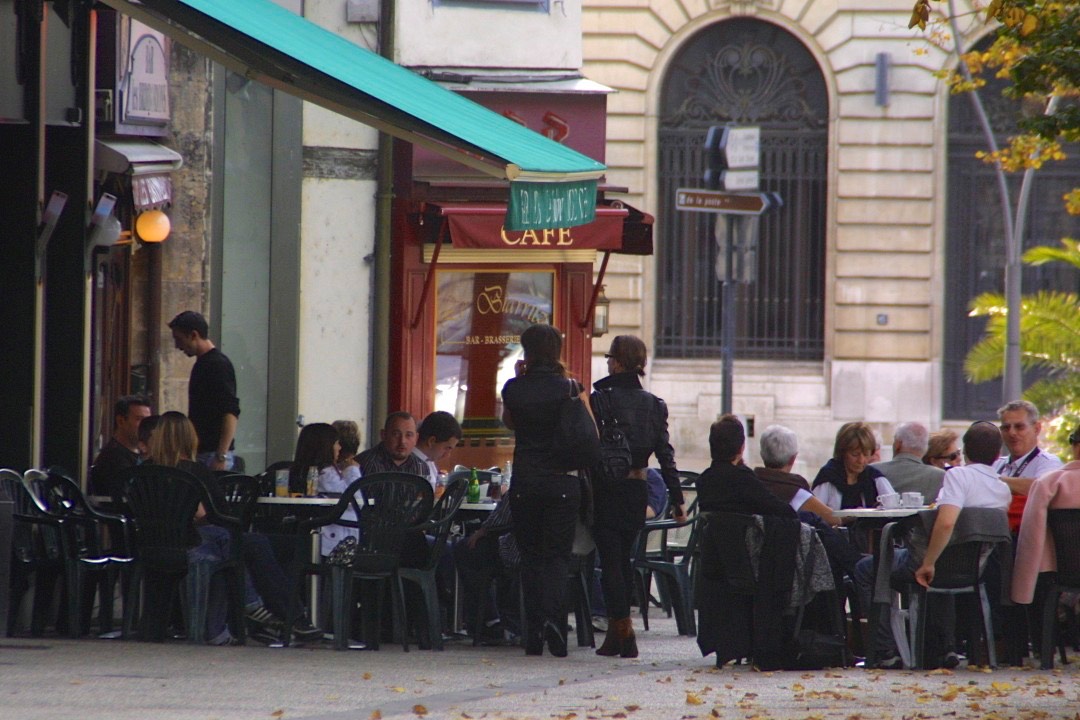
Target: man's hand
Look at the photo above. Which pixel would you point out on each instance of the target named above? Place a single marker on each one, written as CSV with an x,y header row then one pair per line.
x,y
678,513
216,464
925,575
470,542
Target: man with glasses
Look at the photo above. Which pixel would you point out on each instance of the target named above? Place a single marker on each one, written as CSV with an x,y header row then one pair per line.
x,y
1020,428
906,471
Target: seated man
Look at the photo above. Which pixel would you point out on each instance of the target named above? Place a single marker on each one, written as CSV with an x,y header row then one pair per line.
x,y
490,554
437,436
779,447
975,485
728,485
394,453
122,450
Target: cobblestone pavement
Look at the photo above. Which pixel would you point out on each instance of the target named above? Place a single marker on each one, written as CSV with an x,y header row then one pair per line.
x,y
56,679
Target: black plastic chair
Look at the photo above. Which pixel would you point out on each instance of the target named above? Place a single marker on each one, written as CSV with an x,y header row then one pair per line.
x,y
36,554
673,568
241,493
94,545
1064,525
393,508
958,571
438,530
163,502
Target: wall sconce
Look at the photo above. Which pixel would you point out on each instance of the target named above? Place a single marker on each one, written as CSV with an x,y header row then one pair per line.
x,y
153,226
600,314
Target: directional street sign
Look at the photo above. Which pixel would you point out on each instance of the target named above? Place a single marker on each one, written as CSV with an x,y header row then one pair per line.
x,y
716,201
741,146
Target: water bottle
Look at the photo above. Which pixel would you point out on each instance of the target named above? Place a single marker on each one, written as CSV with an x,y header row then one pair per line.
x,y
312,481
474,487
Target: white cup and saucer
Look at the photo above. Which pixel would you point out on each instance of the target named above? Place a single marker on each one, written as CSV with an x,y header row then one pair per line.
x,y
889,501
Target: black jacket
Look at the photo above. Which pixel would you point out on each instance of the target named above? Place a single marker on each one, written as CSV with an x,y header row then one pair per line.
x,y
645,418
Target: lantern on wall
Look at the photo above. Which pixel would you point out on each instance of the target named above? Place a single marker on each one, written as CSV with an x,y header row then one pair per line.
x,y
152,226
600,314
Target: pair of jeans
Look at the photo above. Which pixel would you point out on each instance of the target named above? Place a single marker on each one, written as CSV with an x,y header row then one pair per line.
x,y
545,512
214,547
618,518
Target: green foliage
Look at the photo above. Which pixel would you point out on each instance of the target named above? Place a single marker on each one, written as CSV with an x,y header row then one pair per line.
x,y
1049,341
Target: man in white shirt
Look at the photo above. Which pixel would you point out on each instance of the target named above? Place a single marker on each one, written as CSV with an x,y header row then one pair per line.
x,y
1020,428
974,485
438,435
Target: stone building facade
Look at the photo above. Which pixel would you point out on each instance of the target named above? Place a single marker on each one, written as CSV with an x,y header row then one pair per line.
x,y
872,226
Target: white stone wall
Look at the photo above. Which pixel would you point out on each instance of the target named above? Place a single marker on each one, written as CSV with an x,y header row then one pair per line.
x,y
460,34
337,233
884,284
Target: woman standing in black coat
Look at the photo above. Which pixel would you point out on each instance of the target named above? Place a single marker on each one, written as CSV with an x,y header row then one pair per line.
x,y
620,503
544,499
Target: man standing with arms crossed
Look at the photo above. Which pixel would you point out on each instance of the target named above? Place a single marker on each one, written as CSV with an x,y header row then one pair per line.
x,y
213,406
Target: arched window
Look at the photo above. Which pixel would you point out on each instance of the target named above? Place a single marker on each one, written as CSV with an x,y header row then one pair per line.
x,y
752,73
975,242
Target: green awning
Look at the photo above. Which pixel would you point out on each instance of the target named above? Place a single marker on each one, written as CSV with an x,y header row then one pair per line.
x,y
274,46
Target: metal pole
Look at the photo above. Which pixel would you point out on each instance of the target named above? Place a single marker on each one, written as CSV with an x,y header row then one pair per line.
x,y
727,329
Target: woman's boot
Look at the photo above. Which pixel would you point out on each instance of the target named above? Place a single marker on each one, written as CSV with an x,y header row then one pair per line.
x,y
629,643
613,638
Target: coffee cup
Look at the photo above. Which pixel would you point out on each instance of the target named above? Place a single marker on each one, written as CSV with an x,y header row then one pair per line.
x,y
911,499
890,501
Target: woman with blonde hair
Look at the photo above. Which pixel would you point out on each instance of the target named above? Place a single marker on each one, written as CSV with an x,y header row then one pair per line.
x,y
175,443
848,480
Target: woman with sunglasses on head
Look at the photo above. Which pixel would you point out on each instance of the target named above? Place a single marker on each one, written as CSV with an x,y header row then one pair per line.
x,y
620,503
943,450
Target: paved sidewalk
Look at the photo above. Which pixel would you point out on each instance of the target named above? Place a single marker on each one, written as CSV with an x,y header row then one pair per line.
x,y
57,679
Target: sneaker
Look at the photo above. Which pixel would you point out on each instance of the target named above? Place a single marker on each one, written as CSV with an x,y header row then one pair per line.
x,y
894,662
261,616
950,660
225,638
599,623
304,630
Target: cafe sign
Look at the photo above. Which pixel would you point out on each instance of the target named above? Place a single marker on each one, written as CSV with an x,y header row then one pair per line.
x,y
549,205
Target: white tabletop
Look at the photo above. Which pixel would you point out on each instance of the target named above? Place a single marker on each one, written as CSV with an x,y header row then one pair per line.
x,y
481,506
878,512
325,501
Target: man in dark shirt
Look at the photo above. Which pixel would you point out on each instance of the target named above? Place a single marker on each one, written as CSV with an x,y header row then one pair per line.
x,y
122,450
213,406
395,451
728,485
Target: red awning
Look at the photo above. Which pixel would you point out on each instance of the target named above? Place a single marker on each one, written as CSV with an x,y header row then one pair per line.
x,y
617,228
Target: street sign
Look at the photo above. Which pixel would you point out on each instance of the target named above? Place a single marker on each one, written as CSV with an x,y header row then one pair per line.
x,y
739,179
741,146
715,201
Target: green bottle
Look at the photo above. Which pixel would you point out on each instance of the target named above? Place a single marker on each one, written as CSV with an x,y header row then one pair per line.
x,y
474,487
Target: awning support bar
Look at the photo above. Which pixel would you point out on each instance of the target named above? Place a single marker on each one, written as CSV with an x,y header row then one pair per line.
x,y
585,321
430,278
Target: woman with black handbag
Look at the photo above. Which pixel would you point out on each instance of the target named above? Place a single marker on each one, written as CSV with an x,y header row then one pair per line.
x,y
545,497
621,493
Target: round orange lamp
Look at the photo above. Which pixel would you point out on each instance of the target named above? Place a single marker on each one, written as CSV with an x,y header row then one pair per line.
x,y
153,226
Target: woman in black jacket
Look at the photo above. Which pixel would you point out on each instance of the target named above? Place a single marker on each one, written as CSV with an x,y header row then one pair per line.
x,y
544,500
620,502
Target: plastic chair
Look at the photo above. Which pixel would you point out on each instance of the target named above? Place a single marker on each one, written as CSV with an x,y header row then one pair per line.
x,y
673,570
94,544
394,507
163,501
958,571
36,553
241,493
1064,525
438,530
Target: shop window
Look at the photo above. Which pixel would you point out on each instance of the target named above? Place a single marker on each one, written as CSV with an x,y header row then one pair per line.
x,y
479,320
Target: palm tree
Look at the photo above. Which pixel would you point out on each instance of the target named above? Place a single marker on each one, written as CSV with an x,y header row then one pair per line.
x,y
1049,341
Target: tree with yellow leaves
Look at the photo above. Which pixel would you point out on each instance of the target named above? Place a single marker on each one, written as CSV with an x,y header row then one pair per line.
x,y
1037,47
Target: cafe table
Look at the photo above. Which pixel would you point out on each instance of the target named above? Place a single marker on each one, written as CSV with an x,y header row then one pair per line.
x,y
871,521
